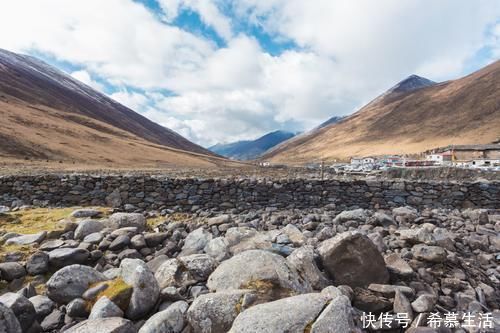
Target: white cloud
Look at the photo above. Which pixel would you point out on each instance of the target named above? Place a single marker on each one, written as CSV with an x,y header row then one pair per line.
x,y
207,9
85,77
348,52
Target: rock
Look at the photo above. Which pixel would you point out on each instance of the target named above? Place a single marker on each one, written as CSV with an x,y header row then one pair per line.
x,y
258,270
94,238
87,227
86,212
291,314
218,220
37,263
119,243
352,259
335,318
71,282
302,259
121,220
388,290
215,312
53,321
351,215
104,325
21,307
369,301
402,305
138,242
156,262
136,273
114,199
42,305
8,321
404,214
424,303
11,270
294,234
130,254
27,239
200,266
170,320
51,245
429,253
396,265
77,308
195,242
104,308
67,256
154,239
217,248
382,220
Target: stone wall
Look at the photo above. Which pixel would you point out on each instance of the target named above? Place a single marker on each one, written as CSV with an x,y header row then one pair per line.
x,y
153,192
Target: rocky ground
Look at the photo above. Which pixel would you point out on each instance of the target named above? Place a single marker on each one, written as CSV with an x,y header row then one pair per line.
x,y
317,270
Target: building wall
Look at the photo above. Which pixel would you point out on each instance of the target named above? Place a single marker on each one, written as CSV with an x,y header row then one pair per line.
x,y
153,192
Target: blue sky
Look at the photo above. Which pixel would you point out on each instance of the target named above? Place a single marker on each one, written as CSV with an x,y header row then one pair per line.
x,y
225,70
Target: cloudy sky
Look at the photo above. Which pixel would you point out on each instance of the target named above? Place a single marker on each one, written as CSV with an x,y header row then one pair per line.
x,y
223,70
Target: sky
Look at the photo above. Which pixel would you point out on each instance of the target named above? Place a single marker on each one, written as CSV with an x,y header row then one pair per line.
x,y
225,70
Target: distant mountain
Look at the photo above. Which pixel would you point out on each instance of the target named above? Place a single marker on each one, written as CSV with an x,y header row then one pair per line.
x,y
250,149
47,115
332,120
415,115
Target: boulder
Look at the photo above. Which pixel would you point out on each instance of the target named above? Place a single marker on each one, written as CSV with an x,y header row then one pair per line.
x,y
351,258
21,307
77,308
63,257
104,308
103,325
359,215
8,321
121,220
215,312
396,265
171,273
405,214
43,306
53,321
335,318
434,254
136,273
291,314
87,227
85,213
302,259
37,263
71,282
258,270
195,242
27,239
170,320
217,248
218,220
200,266
11,270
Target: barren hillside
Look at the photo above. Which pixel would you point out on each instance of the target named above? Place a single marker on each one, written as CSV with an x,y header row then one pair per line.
x,y
407,120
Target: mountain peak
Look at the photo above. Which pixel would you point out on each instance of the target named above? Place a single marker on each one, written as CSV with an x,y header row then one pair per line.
x,y
412,82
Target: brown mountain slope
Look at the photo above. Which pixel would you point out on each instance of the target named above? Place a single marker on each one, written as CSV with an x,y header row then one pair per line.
x,y
46,116
463,111
37,83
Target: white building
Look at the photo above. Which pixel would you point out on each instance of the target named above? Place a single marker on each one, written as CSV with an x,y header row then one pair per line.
x,y
363,160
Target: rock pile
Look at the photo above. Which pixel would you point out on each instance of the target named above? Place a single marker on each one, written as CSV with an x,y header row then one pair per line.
x,y
311,270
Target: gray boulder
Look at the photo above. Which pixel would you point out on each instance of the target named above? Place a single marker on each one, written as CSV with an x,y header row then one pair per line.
x,y
195,242
105,308
8,321
53,321
302,259
200,266
37,263
170,320
291,314
215,312
71,282
429,253
43,306
11,270
63,257
121,220
136,273
27,239
87,227
359,215
258,270
217,248
335,318
351,258
171,274
104,325
85,212
21,307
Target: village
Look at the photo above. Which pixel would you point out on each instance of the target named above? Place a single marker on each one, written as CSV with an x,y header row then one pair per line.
x,y
484,157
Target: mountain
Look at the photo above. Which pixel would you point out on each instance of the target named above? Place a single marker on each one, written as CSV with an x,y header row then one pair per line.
x,y
332,120
45,114
251,149
413,116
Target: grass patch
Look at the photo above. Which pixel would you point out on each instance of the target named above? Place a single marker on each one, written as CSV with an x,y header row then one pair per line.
x,y
26,250
118,291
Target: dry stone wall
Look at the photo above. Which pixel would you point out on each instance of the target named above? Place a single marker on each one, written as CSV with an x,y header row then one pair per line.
x,y
154,192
